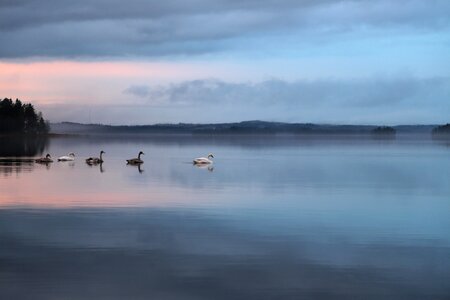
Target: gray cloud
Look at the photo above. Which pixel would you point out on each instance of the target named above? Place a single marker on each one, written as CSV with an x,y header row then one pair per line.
x,y
362,101
137,90
154,28
370,92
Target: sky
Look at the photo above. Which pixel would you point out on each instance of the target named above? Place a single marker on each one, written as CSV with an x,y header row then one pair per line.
x,y
208,61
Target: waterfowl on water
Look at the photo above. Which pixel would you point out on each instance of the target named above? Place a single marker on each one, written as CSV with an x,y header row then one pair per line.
x,y
44,160
135,161
69,157
203,160
96,160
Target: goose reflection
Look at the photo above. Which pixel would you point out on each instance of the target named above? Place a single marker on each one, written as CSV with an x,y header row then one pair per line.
x,y
137,166
46,164
95,164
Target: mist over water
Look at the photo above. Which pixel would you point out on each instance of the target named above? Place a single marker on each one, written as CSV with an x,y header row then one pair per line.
x,y
274,217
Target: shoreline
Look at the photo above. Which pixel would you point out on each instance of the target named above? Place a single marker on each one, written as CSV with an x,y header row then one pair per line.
x,y
28,135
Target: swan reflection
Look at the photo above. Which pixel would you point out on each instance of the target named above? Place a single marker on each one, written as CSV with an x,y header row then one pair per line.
x,y
210,168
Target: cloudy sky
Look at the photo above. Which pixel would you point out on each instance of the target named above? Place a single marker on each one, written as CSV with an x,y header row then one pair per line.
x,y
145,62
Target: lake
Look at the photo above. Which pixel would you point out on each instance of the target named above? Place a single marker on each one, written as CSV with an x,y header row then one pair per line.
x,y
272,218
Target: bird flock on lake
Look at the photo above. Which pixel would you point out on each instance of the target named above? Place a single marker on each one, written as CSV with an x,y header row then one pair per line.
x,y
132,161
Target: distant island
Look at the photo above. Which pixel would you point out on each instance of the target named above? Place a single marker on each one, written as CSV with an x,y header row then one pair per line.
x,y
21,118
242,128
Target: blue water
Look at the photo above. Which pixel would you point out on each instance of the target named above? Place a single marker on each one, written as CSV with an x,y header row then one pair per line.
x,y
273,218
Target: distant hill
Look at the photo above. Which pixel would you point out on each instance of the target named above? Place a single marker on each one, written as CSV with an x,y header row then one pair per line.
x,y
240,128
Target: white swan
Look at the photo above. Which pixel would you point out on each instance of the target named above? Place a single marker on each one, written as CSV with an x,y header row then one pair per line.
x,y
69,157
203,160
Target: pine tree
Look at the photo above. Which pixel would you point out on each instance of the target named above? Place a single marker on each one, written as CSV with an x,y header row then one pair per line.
x,y
18,117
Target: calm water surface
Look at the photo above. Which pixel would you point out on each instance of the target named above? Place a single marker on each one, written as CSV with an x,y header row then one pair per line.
x,y
274,218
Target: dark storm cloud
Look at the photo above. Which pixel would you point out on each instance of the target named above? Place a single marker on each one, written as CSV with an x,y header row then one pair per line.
x,y
155,28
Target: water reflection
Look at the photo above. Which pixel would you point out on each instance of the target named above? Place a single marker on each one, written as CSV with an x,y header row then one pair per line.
x,y
137,166
17,146
145,254
210,168
99,165
46,164
314,219
443,140
209,142
9,166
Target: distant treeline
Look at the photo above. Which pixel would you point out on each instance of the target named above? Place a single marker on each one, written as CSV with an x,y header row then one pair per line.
x,y
18,117
243,128
442,130
246,127
384,131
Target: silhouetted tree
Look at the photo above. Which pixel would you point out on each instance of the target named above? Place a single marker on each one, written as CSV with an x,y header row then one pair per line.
x,y
17,117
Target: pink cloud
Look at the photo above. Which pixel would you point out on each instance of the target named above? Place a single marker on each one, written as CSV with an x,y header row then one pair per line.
x,y
66,82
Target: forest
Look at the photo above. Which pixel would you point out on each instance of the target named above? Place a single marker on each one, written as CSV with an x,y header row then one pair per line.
x,y
442,130
21,118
